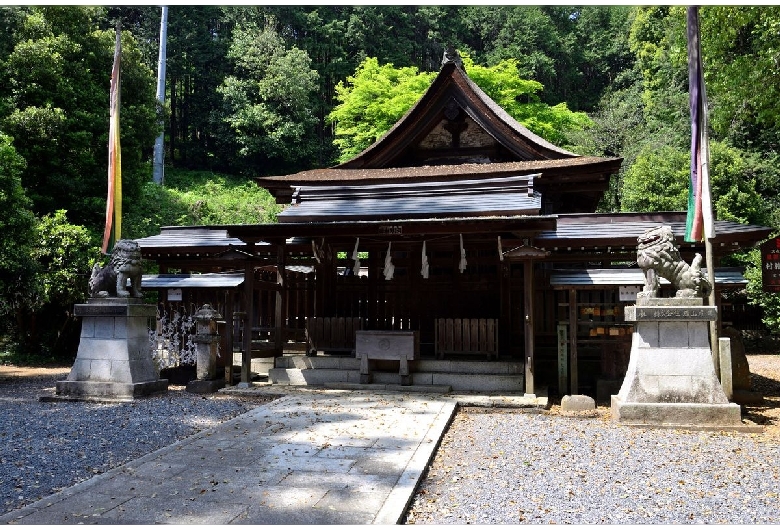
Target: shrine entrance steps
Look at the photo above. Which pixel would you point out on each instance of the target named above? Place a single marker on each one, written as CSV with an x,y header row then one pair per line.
x,y
427,375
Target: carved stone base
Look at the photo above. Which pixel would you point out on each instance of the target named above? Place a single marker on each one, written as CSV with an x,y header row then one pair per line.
x,y
114,359
106,391
671,378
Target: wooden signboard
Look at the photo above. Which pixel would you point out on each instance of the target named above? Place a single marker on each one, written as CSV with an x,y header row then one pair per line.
x,y
563,358
770,265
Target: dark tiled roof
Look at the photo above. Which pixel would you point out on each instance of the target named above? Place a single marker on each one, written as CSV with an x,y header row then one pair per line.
x,y
194,237
445,199
622,229
204,281
453,172
634,276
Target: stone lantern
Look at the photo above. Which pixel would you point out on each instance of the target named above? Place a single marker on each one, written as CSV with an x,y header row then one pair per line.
x,y
206,343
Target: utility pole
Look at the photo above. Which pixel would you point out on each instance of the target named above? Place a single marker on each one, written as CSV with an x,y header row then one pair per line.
x,y
158,170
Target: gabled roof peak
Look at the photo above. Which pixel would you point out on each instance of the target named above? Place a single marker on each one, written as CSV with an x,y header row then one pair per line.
x,y
451,55
454,122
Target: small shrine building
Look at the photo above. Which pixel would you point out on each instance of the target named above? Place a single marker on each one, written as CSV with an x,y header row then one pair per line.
x,y
459,223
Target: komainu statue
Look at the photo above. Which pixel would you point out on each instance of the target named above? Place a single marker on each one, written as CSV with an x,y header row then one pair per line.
x,y
659,257
111,280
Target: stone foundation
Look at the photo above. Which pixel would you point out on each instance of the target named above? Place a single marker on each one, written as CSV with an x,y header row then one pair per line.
x,y
671,378
114,359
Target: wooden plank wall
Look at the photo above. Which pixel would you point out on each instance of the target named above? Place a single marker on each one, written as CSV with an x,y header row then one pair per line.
x,y
410,302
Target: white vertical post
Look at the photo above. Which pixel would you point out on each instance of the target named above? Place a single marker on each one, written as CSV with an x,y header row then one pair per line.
x,y
726,375
158,167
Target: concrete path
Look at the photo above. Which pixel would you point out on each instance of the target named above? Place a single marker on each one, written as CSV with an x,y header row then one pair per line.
x,y
335,457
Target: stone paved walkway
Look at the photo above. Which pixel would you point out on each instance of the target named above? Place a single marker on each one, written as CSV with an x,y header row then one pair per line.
x,y
335,457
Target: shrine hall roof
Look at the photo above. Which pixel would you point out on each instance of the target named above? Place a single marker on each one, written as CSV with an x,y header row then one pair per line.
x,y
479,198
457,132
622,229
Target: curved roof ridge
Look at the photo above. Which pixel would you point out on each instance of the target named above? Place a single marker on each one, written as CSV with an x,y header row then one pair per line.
x,y
452,77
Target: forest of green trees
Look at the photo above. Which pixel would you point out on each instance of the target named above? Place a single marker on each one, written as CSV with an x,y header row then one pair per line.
x,y
267,90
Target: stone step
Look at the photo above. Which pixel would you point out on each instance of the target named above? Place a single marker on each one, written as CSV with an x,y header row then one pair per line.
x,y
424,365
458,382
427,389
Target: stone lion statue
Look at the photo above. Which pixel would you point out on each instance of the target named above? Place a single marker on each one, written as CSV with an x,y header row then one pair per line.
x,y
659,257
111,280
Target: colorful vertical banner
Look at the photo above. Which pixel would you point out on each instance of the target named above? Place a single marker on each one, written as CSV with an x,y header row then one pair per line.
x,y
700,223
113,229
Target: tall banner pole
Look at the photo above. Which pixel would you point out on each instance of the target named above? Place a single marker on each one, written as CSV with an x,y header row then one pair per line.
x,y
700,222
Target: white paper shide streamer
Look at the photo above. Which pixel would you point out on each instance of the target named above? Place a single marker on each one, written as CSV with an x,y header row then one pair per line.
x,y
462,265
356,258
425,266
389,267
315,251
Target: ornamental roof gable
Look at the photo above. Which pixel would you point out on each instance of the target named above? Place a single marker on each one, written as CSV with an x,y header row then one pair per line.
x,y
455,122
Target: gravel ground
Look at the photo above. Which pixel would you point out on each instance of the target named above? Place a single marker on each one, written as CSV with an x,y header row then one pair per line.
x,y
45,447
494,466
501,467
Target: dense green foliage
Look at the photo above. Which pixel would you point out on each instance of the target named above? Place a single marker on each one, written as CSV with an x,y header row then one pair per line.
x,y
17,226
65,254
199,198
55,102
371,101
259,90
658,181
268,101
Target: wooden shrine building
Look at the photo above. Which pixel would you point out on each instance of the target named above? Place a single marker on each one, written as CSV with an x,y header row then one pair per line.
x,y
460,224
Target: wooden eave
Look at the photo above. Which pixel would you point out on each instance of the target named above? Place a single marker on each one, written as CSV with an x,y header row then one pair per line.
x,y
571,175
395,229
525,252
600,232
505,196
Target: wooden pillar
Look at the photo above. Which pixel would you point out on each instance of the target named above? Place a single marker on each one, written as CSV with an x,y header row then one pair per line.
x,y
228,351
281,300
573,315
327,281
371,314
528,288
249,309
505,319
528,255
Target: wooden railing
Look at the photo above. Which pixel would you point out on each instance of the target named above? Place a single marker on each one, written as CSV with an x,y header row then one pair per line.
x,y
331,333
466,335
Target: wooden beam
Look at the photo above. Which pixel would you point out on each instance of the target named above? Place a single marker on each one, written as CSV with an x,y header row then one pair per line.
x,y
394,229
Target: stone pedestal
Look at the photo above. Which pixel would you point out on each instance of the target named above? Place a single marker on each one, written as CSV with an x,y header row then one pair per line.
x,y
206,344
114,359
671,378
401,346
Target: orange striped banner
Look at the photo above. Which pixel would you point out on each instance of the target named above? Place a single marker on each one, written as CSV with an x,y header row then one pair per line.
x,y
113,229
